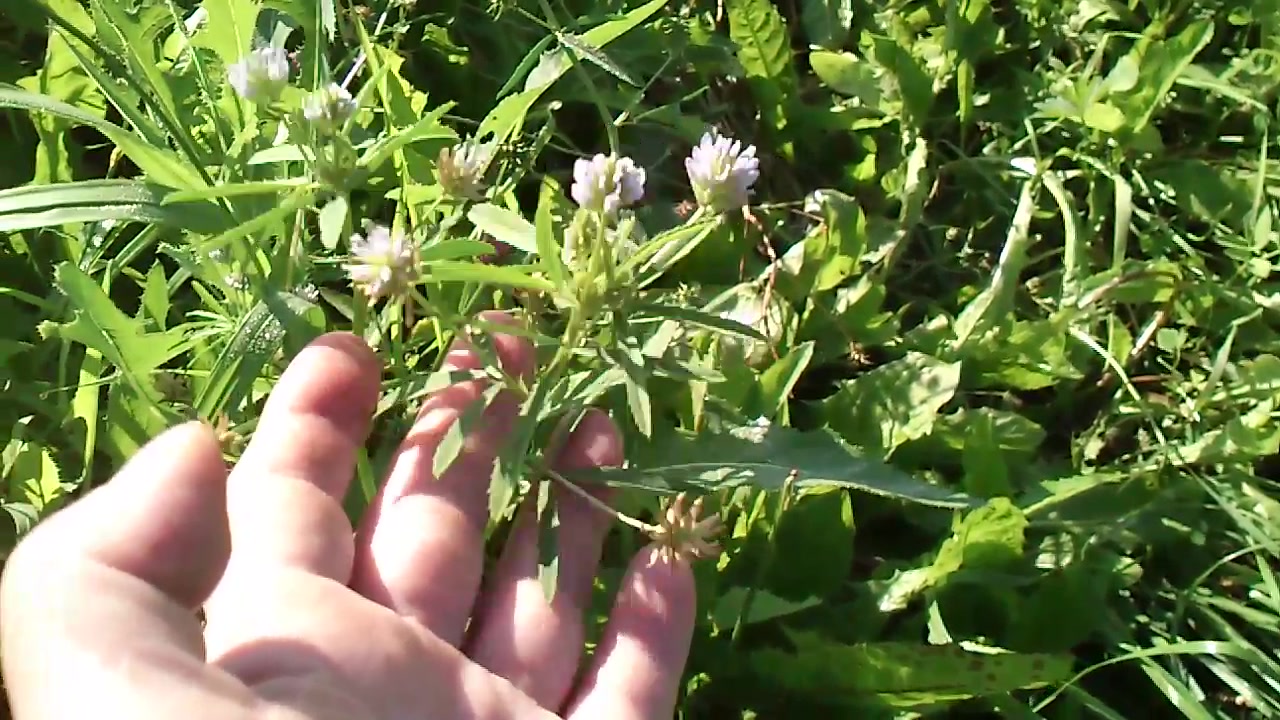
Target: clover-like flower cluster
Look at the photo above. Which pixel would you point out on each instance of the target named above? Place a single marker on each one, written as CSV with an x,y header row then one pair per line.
x,y
383,263
721,172
460,169
606,184
261,76
328,108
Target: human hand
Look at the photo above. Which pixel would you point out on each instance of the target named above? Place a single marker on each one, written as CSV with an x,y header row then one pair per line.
x,y
310,619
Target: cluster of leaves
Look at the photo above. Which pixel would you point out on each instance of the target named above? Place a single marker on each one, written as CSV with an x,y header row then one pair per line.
x,y
982,384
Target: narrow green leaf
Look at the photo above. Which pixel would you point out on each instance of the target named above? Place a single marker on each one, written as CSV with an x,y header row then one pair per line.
x,y
505,225
548,542
765,458
160,165
661,253
555,64
426,128
505,275
700,319
780,379
636,386
333,221
270,187
36,206
455,437
596,57
544,237
454,249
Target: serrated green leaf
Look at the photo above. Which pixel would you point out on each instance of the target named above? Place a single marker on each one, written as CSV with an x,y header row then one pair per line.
x,y
636,384
760,33
765,458
505,225
596,57
228,28
123,341
131,30
894,403
904,674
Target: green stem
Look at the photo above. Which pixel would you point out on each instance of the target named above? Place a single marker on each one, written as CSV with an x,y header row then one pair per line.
x,y
610,128
602,506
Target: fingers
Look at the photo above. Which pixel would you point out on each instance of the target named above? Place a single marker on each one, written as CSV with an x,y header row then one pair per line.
x,y
106,589
637,668
330,654
420,547
519,636
285,494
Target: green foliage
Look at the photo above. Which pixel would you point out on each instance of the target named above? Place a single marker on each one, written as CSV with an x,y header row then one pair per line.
x,y
983,384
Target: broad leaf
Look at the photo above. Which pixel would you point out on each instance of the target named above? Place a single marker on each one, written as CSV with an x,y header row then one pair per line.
x,y
764,458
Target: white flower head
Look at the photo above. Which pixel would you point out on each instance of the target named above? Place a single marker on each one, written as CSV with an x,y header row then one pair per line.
x,y
328,108
607,183
461,168
262,75
382,262
722,172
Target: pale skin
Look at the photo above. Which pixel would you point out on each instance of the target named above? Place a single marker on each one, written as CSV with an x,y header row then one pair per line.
x,y
312,619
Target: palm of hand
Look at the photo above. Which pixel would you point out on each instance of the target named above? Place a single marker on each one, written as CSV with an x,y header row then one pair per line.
x,y
310,619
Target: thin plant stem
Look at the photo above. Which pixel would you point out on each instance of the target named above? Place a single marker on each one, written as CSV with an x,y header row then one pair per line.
x,y
610,127
602,506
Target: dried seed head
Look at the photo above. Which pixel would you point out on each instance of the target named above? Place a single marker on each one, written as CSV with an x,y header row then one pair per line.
x,y
460,169
684,533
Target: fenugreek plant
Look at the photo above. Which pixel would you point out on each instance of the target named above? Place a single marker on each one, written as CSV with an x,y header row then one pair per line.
x,y
946,328
299,196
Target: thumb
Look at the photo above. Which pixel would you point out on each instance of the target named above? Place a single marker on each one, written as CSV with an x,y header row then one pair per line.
x,y
101,595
